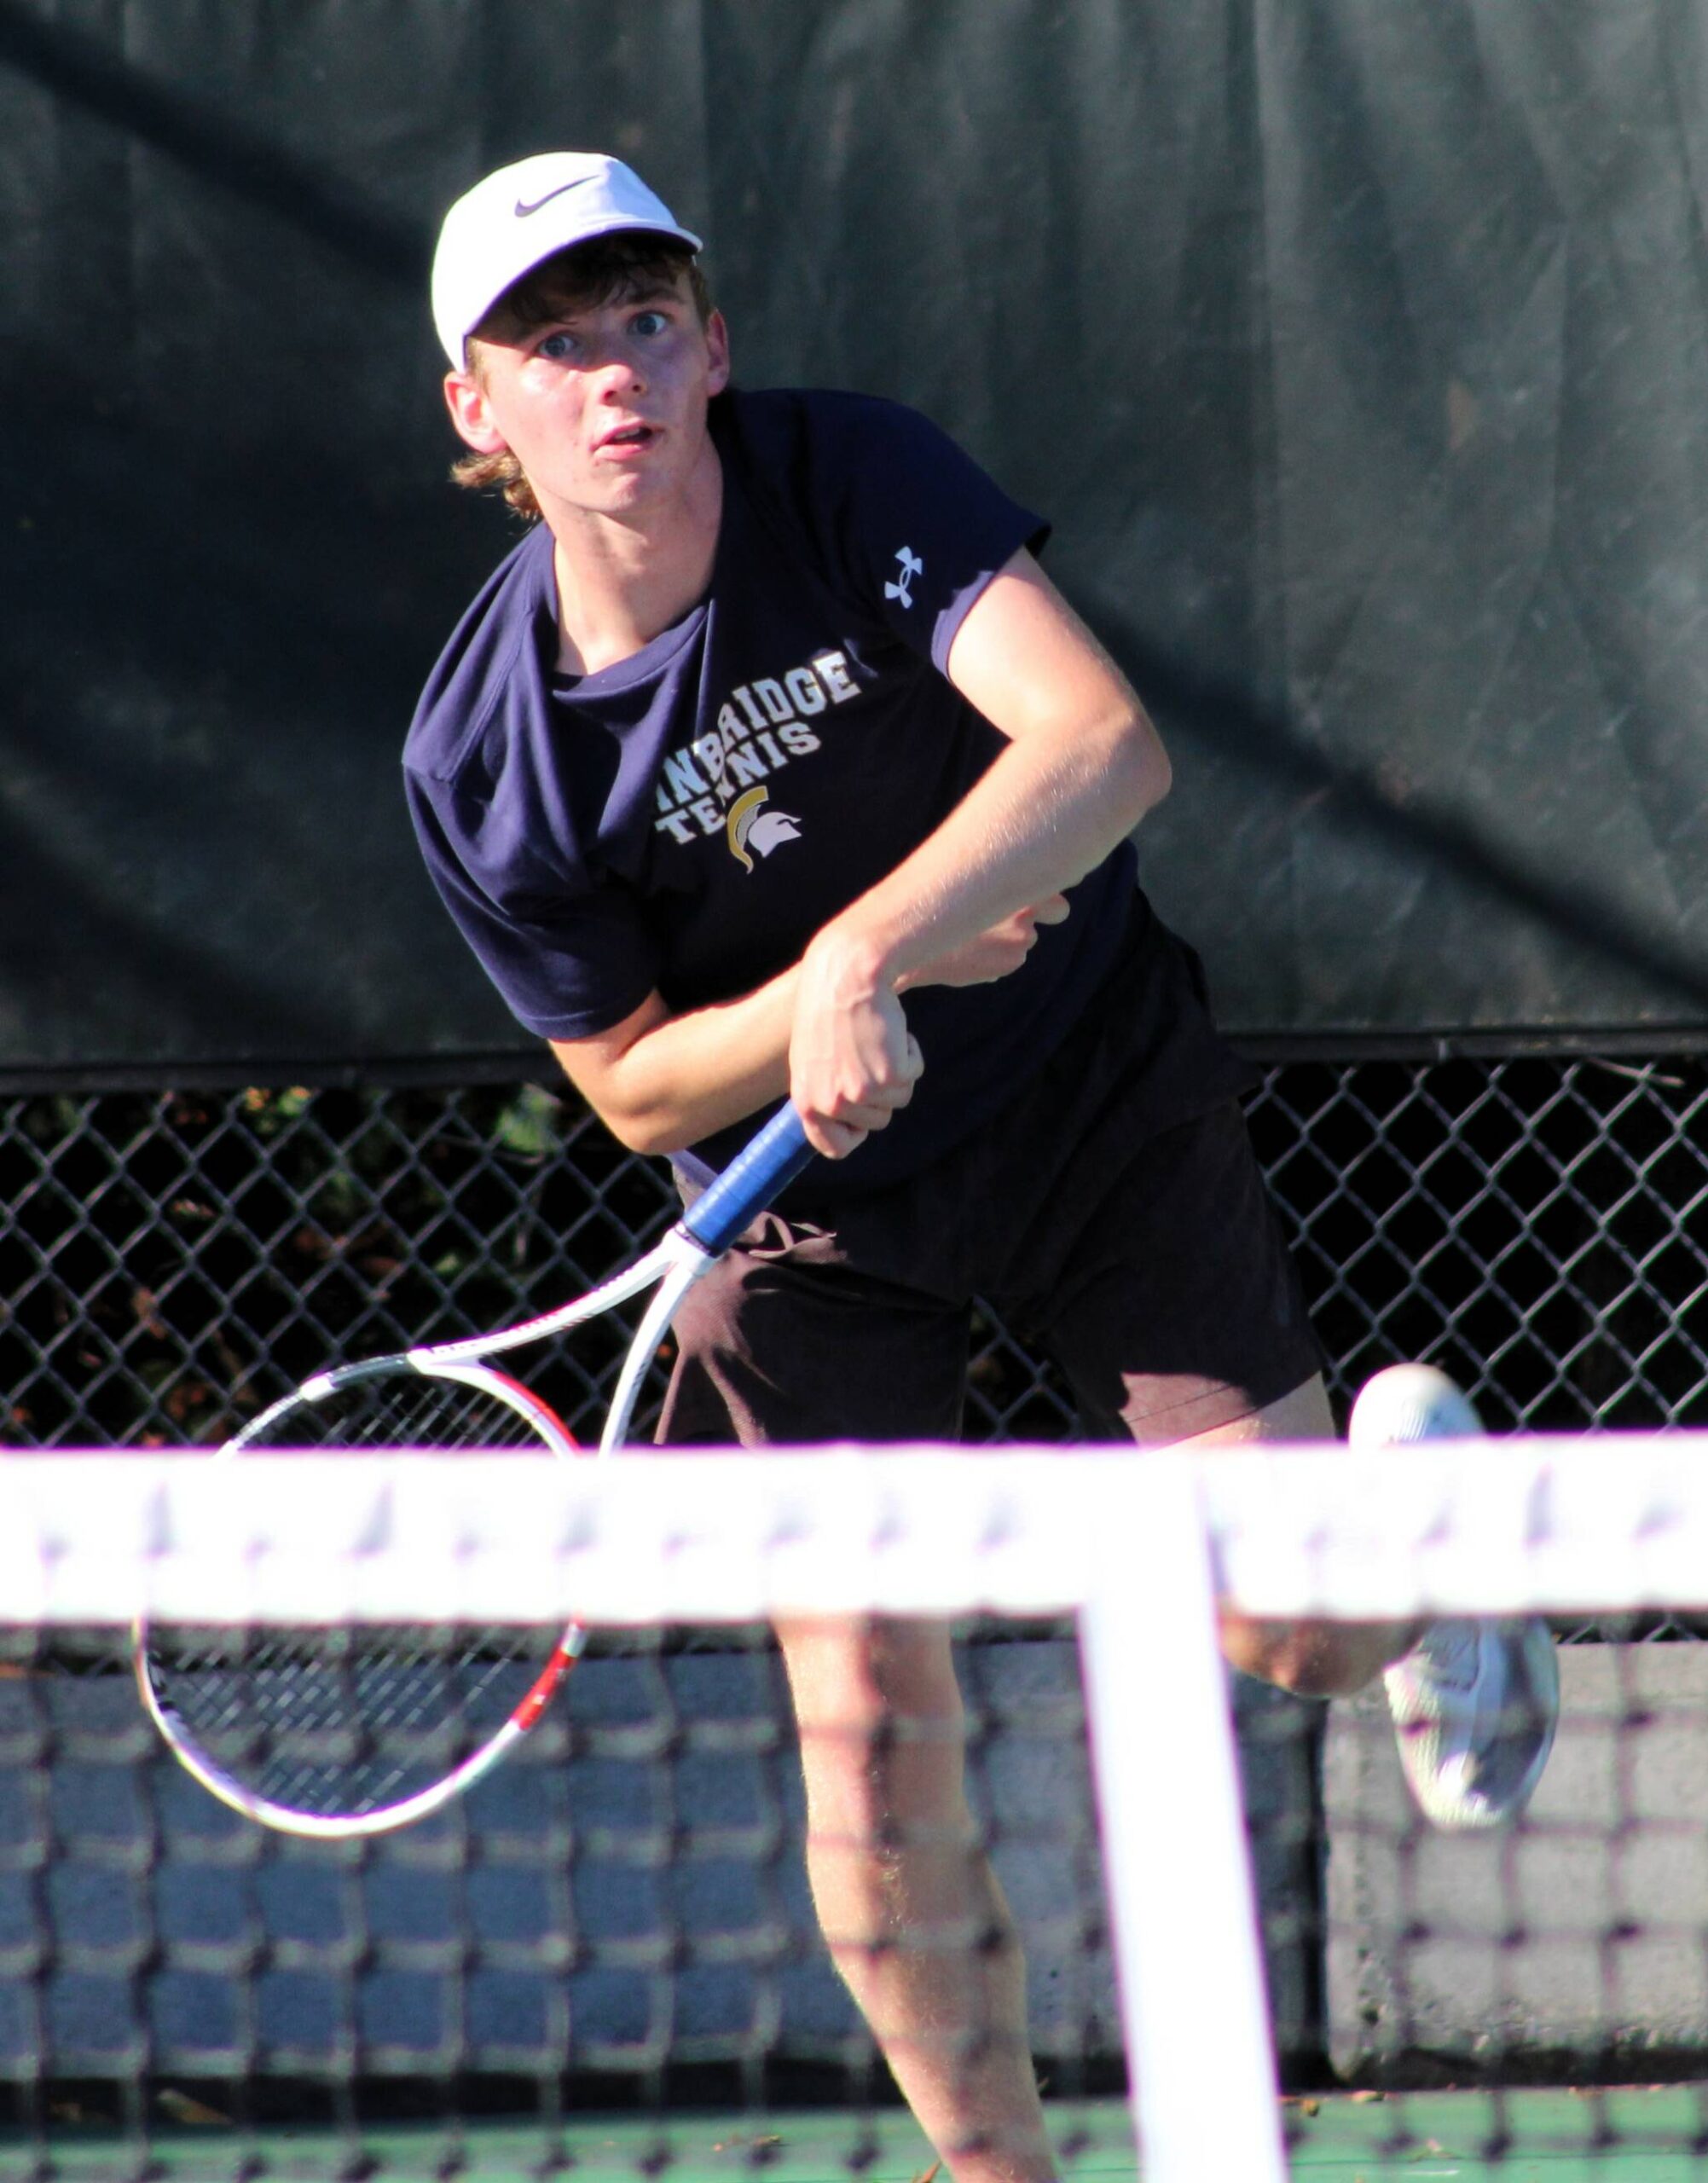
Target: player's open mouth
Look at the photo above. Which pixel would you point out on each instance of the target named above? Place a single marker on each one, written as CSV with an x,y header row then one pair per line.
x,y
628,439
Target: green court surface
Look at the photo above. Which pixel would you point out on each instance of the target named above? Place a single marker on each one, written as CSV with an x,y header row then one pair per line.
x,y
1619,2136
1622,2136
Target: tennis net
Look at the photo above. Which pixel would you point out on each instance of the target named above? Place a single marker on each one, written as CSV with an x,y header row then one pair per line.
x,y
604,1954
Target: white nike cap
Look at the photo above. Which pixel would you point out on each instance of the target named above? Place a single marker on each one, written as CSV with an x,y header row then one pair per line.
x,y
506,225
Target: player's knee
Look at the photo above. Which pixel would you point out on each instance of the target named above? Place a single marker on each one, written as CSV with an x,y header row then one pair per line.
x,y
1308,1659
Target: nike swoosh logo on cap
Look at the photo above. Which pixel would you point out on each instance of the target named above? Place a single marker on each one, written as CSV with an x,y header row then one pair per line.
x,y
523,211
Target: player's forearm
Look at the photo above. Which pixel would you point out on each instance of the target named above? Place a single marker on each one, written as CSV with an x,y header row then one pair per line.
x,y
1047,813
680,1078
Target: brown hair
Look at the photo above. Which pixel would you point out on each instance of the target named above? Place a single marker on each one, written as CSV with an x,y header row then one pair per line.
x,y
583,277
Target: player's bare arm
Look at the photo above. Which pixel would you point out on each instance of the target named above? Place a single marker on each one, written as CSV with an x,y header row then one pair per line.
x,y
1083,765
659,1081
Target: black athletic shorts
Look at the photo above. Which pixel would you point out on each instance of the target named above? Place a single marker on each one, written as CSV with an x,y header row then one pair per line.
x,y
1148,1263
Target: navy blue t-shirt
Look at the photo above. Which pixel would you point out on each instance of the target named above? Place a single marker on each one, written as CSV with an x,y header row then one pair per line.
x,y
687,819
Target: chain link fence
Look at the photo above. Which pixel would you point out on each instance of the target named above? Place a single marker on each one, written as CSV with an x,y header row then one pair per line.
x,y
1538,1226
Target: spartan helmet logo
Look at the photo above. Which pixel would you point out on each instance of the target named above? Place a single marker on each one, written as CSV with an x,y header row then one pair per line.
x,y
749,827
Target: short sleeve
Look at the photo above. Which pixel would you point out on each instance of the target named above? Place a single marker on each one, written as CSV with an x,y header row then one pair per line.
x,y
920,529
568,962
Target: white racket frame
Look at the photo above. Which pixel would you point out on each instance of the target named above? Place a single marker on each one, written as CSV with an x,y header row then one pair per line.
x,y
343,1826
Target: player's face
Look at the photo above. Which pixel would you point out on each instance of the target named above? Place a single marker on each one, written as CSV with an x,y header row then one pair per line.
x,y
604,408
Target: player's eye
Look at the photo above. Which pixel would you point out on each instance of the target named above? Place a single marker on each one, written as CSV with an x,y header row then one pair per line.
x,y
649,324
558,346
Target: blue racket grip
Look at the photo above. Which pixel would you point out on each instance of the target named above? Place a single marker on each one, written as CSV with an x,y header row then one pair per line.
x,y
758,1172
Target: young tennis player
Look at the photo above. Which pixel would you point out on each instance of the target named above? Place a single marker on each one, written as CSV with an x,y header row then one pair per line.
x,y
771,764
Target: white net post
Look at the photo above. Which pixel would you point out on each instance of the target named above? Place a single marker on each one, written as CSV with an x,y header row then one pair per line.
x,y
1187,1951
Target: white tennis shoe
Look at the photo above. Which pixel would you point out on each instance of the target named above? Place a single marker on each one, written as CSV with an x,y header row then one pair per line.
x,y
1474,1702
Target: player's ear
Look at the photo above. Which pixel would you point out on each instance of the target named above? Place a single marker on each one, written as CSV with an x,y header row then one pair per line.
x,y
717,348
471,413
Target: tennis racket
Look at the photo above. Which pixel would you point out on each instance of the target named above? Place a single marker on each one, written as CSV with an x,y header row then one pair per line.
x,y
337,1733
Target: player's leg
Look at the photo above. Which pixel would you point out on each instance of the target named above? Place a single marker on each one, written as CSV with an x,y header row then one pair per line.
x,y
1317,1660
1474,1703
1183,1326
783,1344
1178,1317
912,1912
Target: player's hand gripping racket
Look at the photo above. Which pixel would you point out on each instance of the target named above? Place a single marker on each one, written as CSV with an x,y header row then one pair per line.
x,y
344,1732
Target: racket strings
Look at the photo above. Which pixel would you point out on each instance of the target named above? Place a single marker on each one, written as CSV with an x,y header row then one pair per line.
x,y
342,1722
398,1410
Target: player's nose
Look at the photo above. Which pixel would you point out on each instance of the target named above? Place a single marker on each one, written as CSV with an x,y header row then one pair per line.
x,y
617,375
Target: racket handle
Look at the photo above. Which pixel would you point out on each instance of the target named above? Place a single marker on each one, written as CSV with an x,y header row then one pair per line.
x,y
757,1172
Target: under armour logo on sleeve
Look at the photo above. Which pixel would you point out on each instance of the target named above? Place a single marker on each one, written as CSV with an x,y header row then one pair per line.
x,y
912,566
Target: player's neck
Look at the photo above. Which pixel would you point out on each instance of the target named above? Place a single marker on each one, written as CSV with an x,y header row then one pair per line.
x,y
624,579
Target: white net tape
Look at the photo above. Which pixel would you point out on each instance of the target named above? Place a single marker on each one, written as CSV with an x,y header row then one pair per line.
x,y
1615,1523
